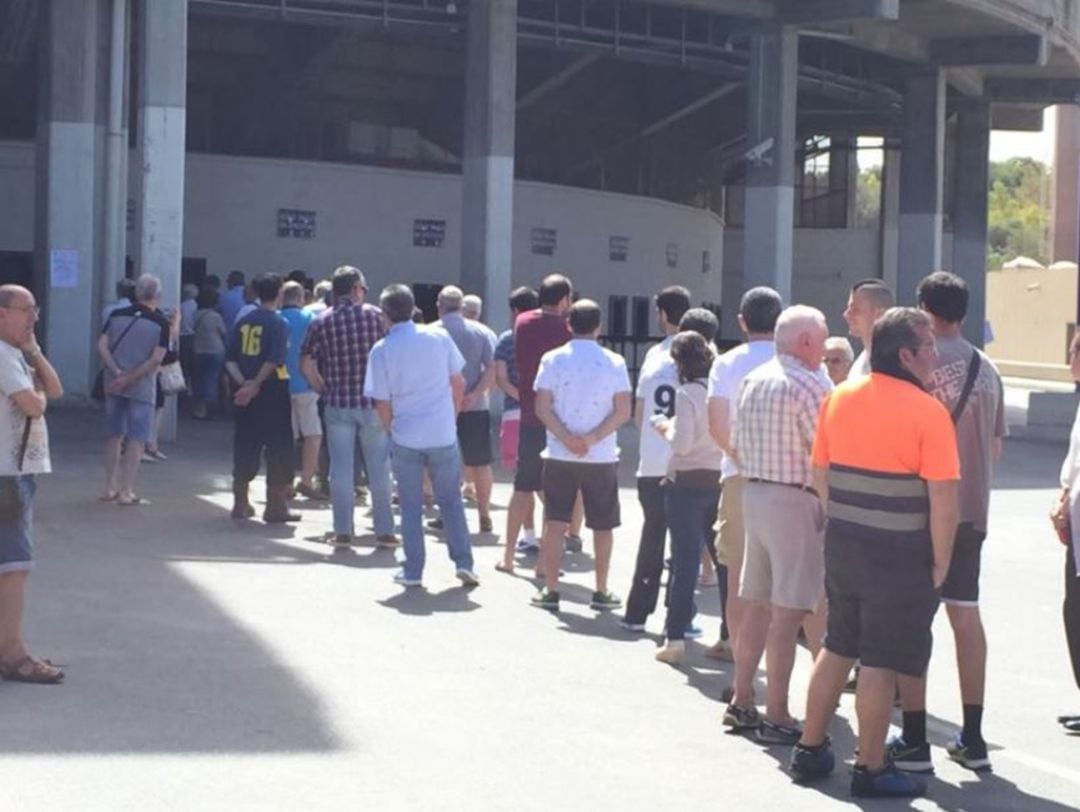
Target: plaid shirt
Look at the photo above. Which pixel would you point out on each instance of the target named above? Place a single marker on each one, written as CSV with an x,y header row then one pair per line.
x,y
340,340
776,420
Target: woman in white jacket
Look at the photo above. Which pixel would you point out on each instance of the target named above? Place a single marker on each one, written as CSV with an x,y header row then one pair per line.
x,y
1066,519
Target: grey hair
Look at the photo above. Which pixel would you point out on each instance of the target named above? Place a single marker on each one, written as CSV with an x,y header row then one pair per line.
x,y
147,288
451,299
472,305
189,291
793,322
293,292
842,344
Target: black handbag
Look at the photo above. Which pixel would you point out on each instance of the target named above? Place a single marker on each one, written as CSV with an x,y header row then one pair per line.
x,y
11,503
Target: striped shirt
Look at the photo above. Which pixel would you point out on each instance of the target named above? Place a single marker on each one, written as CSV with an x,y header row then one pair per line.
x,y
777,419
340,340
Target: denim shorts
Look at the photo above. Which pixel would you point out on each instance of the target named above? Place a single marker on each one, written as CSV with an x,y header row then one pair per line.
x,y
16,546
129,418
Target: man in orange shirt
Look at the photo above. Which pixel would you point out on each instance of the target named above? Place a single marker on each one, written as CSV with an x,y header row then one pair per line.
x,y
886,465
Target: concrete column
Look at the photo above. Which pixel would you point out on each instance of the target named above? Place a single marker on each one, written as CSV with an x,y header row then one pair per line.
x,y
969,216
921,181
116,151
1065,235
488,162
890,216
770,177
69,162
162,119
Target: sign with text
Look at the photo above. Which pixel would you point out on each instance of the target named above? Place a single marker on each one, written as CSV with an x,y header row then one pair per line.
x,y
618,248
297,223
429,233
544,241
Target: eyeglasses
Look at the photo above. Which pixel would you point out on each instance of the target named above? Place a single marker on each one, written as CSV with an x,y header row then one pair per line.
x,y
24,308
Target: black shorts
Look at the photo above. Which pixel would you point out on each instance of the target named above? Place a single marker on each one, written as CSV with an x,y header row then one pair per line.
x,y
882,600
529,475
599,487
474,437
962,583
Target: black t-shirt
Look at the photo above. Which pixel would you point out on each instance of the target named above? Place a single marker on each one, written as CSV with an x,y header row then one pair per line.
x,y
260,337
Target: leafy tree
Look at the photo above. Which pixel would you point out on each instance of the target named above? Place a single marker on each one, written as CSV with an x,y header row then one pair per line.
x,y
1018,216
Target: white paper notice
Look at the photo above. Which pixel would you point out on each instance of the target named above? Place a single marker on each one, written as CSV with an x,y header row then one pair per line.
x,y
63,268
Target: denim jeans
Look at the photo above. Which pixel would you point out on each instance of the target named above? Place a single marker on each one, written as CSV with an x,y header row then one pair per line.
x,y
444,467
342,428
687,509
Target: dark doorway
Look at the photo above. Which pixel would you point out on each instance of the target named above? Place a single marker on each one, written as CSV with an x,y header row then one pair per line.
x,y
17,268
193,271
426,297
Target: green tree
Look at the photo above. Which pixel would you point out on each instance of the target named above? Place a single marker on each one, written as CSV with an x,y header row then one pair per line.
x,y
1018,217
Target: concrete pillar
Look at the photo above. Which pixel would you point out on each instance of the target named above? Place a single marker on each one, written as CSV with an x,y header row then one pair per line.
x,y
116,151
488,162
770,177
921,181
162,118
969,216
1065,225
69,163
890,215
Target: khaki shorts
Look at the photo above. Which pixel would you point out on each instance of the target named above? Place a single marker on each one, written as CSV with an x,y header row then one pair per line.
x,y
731,532
785,547
305,415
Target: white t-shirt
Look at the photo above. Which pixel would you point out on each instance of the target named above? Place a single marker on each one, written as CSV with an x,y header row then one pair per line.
x,y
860,368
726,380
583,378
657,383
15,376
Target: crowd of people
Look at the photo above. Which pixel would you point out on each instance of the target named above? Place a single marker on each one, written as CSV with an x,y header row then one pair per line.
x,y
833,500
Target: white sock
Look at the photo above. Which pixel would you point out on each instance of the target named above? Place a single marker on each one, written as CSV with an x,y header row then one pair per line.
x,y
528,535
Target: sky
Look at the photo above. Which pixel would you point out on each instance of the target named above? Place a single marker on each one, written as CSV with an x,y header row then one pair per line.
x,y
1004,144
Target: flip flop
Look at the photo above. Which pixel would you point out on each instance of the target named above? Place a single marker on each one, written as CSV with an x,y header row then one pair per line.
x,y
501,567
108,497
135,501
38,672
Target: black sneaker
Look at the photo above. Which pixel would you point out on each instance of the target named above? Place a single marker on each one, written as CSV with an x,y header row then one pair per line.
x,y
573,543
911,758
772,733
739,719
435,524
605,601
546,599
811,763
973,756
888,782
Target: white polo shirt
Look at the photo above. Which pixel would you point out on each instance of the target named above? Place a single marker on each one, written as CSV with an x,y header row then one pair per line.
x,y
726,379
657,383
411,367
15,376
583,378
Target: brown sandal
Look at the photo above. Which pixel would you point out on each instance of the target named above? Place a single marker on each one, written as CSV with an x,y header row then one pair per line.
x,y
39,672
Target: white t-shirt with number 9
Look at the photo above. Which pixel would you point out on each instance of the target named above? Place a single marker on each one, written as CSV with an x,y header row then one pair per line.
x,y
656,387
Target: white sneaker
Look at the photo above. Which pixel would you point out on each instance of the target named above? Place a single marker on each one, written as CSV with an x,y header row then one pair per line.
x,y
402,580
468,577
526,545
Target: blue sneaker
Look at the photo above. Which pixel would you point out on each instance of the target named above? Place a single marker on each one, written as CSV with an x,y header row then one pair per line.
x,y
811,763
692,632
401,579
888,782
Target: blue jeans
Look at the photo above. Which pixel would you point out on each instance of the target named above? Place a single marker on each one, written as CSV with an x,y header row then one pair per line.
x,y
342,428
686,508
444,466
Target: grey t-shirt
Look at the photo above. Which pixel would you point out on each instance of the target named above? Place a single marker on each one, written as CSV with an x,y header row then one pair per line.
x,y
983,420
149,330
476,343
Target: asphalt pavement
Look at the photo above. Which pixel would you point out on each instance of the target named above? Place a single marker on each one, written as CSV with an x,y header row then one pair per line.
x,y
222,665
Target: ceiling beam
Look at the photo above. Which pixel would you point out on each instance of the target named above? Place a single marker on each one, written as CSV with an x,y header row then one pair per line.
x,y
557,80
1027,49
800,12
1033,91
656,126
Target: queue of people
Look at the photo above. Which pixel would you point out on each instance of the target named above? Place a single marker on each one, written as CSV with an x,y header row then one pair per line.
x,y
838,499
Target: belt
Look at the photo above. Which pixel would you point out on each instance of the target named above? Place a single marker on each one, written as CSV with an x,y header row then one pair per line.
x,y
808,488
